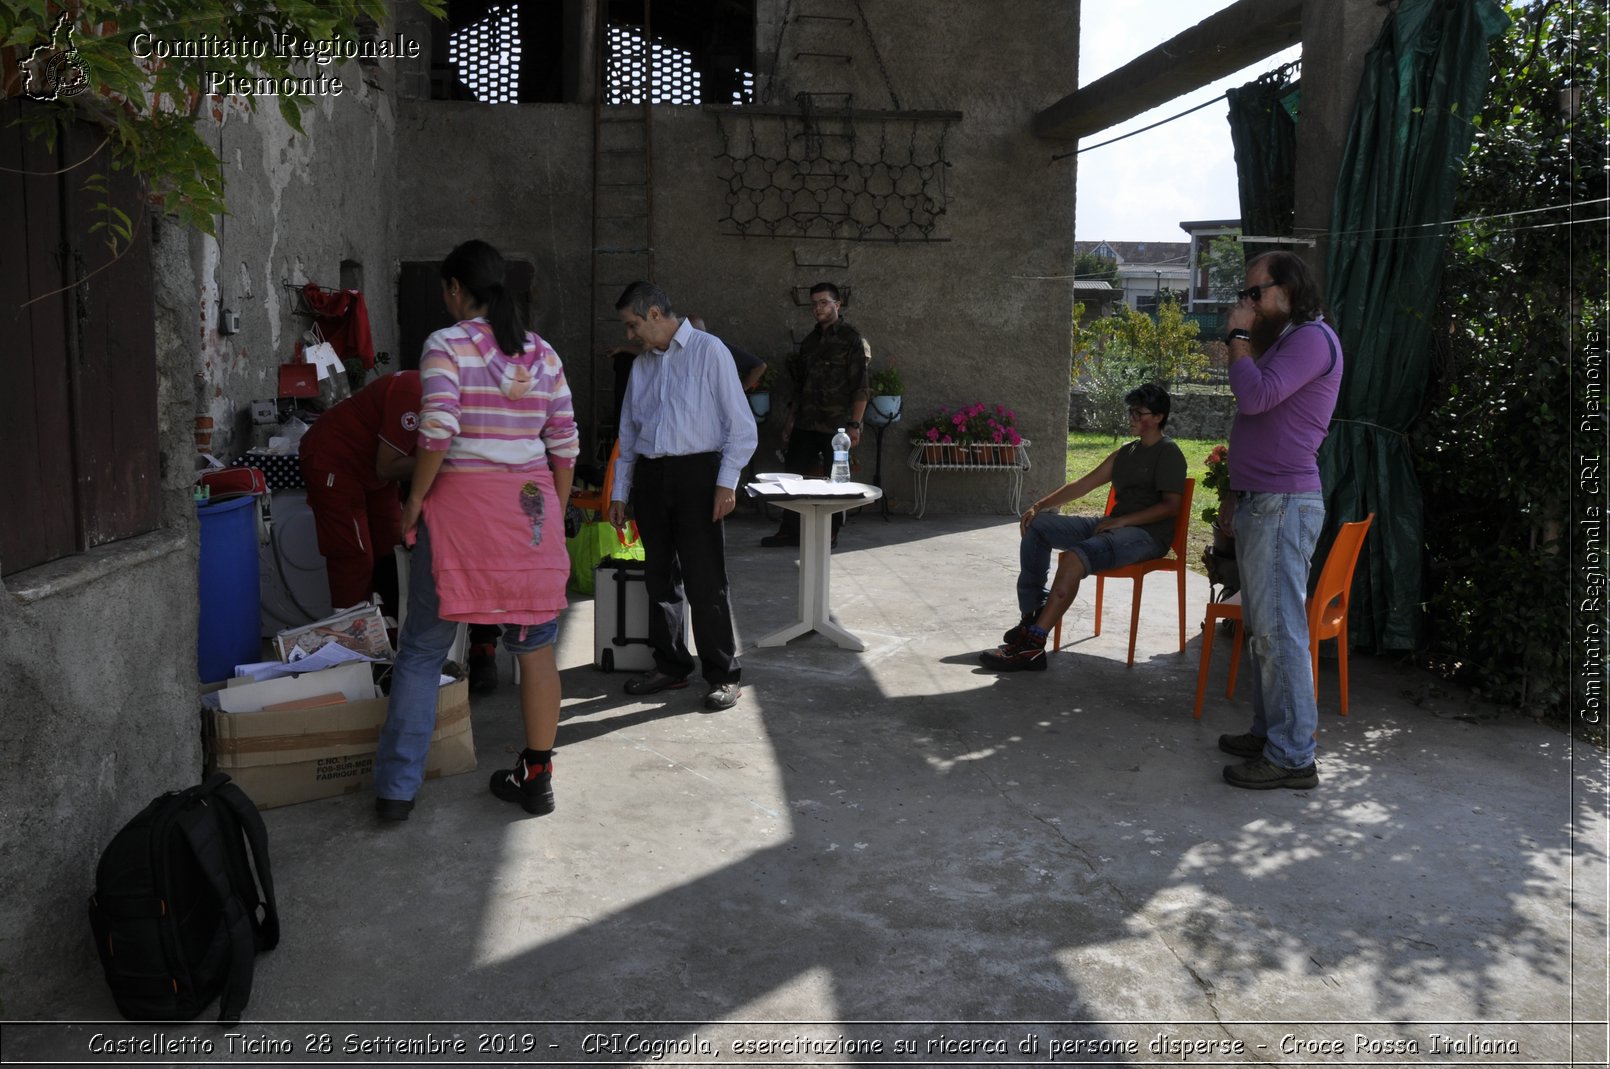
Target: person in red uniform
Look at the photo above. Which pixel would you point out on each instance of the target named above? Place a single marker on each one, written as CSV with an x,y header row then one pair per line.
x,y
352,459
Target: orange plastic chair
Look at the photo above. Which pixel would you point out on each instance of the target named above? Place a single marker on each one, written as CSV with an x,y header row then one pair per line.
x,y
597,501
1174,562
1327,615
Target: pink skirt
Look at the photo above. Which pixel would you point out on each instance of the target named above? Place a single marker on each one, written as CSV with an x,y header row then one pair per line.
x,y
497,542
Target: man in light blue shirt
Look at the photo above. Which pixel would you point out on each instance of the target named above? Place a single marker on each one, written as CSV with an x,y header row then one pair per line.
x,y
686,431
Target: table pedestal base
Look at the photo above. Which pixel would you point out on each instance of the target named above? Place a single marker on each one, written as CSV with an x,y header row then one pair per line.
x,y
815,574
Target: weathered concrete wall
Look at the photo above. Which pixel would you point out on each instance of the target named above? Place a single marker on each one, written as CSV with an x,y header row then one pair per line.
x,y
299,206
528,191
979,316
99,650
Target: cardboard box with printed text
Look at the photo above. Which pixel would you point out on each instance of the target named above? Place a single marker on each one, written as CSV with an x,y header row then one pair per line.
x,y
283,756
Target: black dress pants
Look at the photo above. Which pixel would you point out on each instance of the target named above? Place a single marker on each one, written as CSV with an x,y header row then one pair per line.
x,y
685,558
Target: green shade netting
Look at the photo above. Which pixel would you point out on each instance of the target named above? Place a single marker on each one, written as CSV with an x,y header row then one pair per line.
x,y
1423,81
1263,130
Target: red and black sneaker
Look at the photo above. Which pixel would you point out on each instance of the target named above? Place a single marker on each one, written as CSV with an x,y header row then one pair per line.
x,y
1025,655
529,784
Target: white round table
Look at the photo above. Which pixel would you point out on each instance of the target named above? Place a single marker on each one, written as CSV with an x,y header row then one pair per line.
x,y
815,566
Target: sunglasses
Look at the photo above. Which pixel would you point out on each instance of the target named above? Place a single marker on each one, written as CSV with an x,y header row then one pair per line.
x,y
1252,293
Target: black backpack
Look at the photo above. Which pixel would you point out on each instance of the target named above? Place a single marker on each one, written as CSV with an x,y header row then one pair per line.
x,y
175,909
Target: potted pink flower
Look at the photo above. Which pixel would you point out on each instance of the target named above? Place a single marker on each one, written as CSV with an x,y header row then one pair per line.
x,y
970,434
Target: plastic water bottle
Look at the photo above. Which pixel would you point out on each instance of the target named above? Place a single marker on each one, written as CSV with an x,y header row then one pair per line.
x,y
841,457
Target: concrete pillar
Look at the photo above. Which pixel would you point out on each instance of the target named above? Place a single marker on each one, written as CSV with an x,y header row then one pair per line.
x,y
581,61
1336,36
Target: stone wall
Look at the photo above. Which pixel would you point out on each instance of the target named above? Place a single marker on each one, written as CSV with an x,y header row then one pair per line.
x,y
1195,413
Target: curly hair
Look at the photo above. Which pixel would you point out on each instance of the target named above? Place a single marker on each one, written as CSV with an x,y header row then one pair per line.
x,y
1291,273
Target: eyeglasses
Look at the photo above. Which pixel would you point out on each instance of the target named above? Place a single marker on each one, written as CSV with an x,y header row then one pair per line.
x,y
1137,413
1252,293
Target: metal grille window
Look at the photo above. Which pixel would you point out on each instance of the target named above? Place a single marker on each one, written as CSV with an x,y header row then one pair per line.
x,y
487,55
675,78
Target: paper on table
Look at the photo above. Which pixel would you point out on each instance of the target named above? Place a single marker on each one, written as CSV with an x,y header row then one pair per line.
x,y
783,485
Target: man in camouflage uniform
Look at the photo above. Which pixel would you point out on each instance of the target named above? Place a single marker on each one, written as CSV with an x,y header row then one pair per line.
x,y
829,390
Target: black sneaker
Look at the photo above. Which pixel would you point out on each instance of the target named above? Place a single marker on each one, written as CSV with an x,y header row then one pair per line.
x,y
1248,745
1261,774
530,785
1020,630
653,681
1025,656
778,541
393,809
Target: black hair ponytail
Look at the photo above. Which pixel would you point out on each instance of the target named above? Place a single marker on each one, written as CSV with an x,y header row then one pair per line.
x,y
479,268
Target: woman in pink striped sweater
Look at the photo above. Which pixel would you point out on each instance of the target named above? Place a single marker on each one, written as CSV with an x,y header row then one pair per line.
x,y
497,449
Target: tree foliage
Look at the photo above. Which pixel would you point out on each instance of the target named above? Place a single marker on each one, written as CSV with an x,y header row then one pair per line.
x,y
148,105
1226,267
1117,353
1523,287
1091,268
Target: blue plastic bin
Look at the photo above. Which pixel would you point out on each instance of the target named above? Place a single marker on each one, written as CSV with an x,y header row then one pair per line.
x,y
227,632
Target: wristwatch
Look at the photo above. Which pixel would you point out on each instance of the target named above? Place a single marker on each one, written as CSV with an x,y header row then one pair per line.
x,y
852,423
1237,335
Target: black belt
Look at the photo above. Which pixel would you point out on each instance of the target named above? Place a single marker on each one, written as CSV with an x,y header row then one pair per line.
x,y
677,456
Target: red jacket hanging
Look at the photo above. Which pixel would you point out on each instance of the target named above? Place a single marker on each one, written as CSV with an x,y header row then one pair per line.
x,y
344,321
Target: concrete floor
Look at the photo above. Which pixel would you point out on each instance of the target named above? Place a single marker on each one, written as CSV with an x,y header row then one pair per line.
x,y
900,847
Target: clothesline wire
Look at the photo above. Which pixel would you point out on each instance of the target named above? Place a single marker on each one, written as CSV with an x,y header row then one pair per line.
x,y
1278,74
1467,219
1409,237
1142,130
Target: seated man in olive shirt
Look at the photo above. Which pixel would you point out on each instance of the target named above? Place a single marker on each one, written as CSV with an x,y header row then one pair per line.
x,y
1148,476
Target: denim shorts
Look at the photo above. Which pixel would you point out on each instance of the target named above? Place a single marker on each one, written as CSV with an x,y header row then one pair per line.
x,y
1109,549
528,638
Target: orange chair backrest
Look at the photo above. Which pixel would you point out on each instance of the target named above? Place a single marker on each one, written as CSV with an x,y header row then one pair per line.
x,y
598,500
1327,609
609,471
1182,520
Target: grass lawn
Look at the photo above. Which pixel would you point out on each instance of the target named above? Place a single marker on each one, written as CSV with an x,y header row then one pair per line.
x,y
1085,451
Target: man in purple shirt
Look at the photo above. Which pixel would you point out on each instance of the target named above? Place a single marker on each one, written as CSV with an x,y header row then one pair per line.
x,y
1285,370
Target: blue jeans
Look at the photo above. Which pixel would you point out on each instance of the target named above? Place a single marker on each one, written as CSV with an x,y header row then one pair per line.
x,y
1050,530
422,649
1275,538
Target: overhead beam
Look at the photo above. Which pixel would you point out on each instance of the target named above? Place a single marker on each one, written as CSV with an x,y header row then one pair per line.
x,y
1221,44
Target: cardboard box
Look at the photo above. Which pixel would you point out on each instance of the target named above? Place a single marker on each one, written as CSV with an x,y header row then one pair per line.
x,y
280,757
